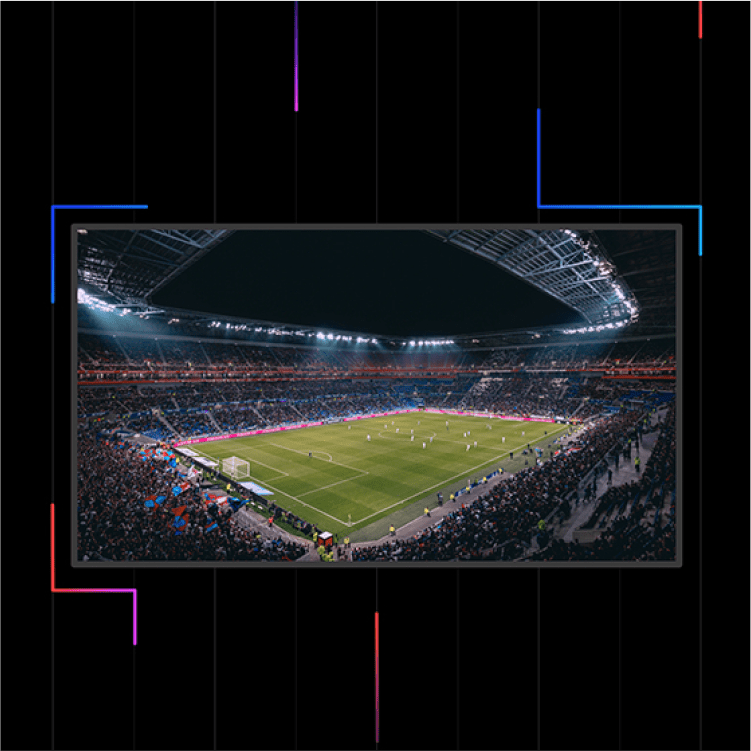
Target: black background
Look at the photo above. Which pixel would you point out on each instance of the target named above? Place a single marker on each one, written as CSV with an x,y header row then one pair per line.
x,y
409,113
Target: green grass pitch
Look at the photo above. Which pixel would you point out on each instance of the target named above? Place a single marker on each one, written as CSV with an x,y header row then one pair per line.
x,y
389,479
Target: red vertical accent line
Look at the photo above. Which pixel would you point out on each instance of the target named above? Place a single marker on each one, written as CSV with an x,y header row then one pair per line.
x,y
52,542
376,671
699,19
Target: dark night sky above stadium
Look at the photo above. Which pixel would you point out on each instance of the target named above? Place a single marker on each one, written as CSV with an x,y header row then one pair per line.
x,y
389,282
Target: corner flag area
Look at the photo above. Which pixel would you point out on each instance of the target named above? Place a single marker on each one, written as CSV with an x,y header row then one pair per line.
x,y
331,473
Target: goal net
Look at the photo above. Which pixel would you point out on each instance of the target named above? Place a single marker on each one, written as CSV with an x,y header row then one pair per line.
x,y
236,468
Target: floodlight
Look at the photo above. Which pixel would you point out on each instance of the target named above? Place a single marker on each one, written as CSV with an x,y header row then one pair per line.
x,y
330,336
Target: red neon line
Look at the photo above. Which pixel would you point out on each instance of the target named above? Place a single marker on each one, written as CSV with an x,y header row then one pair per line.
x,y
699,19
55,589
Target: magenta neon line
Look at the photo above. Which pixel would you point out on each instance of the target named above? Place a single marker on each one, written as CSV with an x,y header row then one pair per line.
x,y
296,57
55,589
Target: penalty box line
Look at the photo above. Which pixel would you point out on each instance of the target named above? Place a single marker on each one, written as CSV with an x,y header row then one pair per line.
x,y
281,492
297,500
443,482
328,461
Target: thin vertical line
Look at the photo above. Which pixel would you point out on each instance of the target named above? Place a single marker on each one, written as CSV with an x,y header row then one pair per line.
x,y
133,105
620,219
457,659
376,114
620,70
539,106
52,105
134,681
701,412
700,121
215,723
377,683
377,687
52,203
214,112
295,659
52,678
457,113
539,660
297,43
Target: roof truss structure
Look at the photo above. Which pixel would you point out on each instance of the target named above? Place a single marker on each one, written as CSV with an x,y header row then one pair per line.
x,y
131,265
572,267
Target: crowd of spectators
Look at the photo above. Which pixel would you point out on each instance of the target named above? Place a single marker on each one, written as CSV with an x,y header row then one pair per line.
x,y
269,403
642,526
506,517
115,524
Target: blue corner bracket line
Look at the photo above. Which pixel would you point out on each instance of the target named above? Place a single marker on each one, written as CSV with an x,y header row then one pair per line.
x,y
606,206
76,206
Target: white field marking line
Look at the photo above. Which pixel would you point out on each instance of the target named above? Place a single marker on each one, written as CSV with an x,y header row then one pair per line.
x,y
282,473
339,464
294,498
317,490
443,482
331,458
250,458
287,495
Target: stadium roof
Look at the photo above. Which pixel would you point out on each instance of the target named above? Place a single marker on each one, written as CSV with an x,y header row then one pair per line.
x,y
571,266
131,265
123,269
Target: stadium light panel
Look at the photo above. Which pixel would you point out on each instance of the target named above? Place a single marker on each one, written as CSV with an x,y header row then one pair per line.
x,y
330,336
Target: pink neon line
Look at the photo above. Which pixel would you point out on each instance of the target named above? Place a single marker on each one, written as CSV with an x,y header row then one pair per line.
x,y
56,590
700,19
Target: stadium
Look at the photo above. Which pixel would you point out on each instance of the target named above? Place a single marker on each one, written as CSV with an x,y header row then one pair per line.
x,y
527,416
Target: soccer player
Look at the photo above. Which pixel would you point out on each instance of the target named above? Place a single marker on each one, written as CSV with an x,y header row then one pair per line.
x,y
423,444
431,439
503,439
475,444
368,437
467,447
310,454
397,430
411,438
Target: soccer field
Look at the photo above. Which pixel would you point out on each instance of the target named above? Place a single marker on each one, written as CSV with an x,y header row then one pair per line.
x,y
390,478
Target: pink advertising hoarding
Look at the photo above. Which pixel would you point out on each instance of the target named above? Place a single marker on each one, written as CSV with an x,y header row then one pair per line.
x,y
286,427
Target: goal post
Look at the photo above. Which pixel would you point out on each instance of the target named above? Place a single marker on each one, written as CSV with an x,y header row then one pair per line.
x,y
236,468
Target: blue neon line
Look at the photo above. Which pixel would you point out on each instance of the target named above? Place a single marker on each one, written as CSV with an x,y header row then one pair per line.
x,y
606,206
79,206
